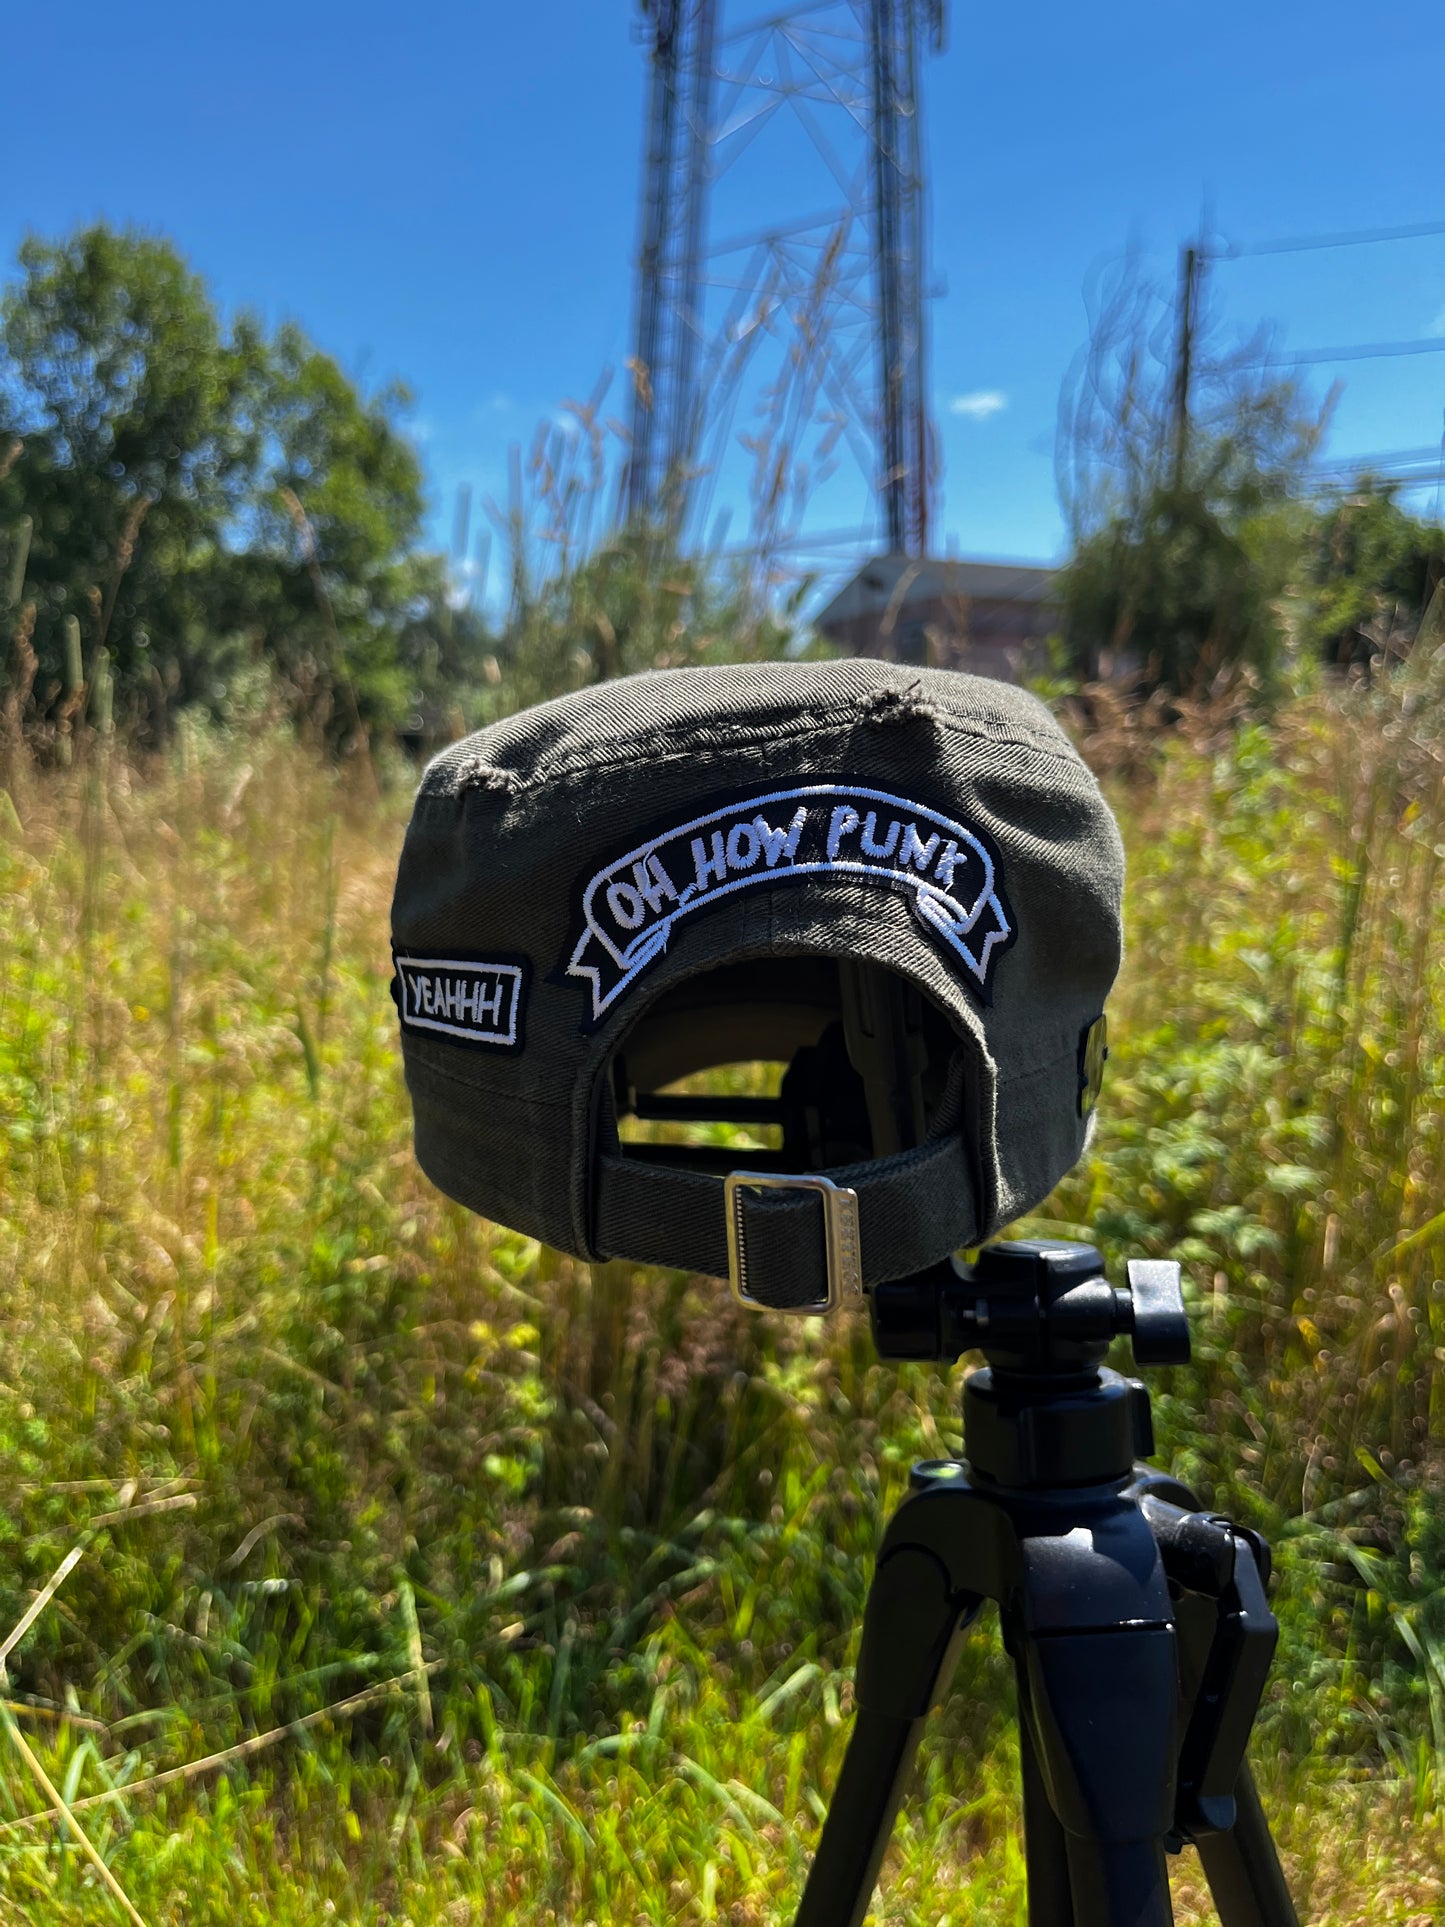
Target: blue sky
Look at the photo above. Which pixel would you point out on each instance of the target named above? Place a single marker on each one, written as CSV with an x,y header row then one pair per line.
x,y
448,194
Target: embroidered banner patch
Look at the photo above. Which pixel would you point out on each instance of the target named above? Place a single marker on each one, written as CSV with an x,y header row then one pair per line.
x,y
822,831
473,999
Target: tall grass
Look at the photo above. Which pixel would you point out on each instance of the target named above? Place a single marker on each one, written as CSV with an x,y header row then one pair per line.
x,y
583,605
452,1580
1277,1119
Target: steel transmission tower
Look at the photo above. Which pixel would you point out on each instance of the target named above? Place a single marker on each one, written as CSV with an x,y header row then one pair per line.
x,y
670,315
811,326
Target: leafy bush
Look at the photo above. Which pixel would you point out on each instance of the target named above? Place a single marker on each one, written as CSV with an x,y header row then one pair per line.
x,y
1374,570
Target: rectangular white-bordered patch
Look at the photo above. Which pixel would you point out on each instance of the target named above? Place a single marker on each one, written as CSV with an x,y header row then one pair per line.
x,y
474,1000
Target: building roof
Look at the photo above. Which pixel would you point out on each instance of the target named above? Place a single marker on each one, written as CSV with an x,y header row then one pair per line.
x,y
898,580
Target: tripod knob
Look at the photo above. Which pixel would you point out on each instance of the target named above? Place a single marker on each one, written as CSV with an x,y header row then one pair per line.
x,y
1160,1323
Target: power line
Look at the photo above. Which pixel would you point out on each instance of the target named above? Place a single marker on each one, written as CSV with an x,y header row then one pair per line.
x,y
1308,243
1365,351
1374,462
1406,470
1380,484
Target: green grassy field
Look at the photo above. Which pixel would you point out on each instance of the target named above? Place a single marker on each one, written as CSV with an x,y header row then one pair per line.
x,y
427,1576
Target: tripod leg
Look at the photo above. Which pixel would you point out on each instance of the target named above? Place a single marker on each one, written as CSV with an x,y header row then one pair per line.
x,y
1045,1843
1120,1884
860,1820
1101,1706
911,1633
1243,1869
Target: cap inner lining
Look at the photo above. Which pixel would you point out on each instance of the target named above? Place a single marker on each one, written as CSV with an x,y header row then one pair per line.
x,y
863,1063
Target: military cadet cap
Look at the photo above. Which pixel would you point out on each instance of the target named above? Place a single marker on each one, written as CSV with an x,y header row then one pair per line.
x,y
902,886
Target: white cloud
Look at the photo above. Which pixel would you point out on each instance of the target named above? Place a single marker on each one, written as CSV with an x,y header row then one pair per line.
x,y
1437,326
980,404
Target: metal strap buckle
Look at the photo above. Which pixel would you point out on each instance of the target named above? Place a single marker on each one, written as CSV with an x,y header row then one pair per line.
x,y
840,1238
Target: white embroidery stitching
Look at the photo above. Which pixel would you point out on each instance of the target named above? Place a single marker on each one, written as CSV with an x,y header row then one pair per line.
x,y
479,1002
629,907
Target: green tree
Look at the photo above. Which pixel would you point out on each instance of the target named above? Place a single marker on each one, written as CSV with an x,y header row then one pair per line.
x,y
138,414
205,499
331,581
1186,523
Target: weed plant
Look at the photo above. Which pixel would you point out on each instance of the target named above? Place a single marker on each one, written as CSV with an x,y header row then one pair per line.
x,y
427,1576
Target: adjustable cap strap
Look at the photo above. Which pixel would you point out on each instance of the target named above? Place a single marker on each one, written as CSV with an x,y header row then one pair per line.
x,y
913,1210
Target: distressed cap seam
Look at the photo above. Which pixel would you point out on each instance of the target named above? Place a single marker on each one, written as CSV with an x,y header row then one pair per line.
x,y
562,769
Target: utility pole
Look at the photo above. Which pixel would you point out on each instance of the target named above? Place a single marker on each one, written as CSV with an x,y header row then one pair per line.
x,y
1191,269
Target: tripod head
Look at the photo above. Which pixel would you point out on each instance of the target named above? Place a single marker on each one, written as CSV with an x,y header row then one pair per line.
x,y
1034,1307
1044,1411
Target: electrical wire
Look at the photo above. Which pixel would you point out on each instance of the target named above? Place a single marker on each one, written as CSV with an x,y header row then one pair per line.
x,y
1364,351
1385,484
1380,459
1308,243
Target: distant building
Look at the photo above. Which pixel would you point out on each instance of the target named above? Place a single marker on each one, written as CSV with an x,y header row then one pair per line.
x,y
992,618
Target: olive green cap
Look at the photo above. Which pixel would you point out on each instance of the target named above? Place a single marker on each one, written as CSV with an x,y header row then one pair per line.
x,y
672,869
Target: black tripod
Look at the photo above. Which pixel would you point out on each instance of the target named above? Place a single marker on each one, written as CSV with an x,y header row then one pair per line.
x,y
1137,1623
